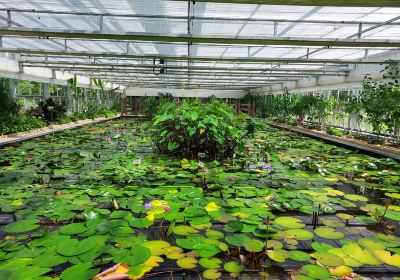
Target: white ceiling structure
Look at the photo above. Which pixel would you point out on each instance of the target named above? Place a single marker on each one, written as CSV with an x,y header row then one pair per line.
x,y
218,45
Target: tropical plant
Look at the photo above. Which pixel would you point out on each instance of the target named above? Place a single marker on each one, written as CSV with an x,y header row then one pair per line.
x,y
192,128
8,106
52,111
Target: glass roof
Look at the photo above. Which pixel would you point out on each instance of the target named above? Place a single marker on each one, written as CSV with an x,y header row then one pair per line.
x,y
264,40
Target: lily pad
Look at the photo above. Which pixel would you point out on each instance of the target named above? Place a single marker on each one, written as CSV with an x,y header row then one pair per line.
x,y
187,263
328,233
315,271
82,271
210,263
289,222
233,267
22,226
212,274
299,234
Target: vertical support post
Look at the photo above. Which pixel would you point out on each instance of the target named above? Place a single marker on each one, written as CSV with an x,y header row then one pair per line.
x,y
275,28
9,21
85,98
98,96
12,86
360,26
46,91
78,101
68,100
101,23
107,100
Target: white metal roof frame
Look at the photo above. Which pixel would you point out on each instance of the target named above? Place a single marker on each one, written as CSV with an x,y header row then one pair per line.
x,y
212,44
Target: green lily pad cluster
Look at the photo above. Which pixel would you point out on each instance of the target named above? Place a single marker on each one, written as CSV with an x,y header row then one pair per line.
x,y
80,201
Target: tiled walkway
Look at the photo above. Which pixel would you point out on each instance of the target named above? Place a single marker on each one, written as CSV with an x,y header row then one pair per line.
x,y
22,136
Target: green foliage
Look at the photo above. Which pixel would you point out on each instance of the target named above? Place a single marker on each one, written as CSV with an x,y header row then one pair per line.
x,y
8,106
192,128
52,111
381,100
18,123
334,131
153,103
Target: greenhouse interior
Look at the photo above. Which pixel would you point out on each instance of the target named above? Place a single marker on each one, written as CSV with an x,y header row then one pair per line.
x,y
209,139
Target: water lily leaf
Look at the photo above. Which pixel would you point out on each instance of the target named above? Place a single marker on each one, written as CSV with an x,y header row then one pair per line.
x,y
341,271
233,267
234,226
206,250
328,259
254,245
355,197
157,247
387,258
299,256
82,271
321,247
274,244
345,216
212,274
210,263
332,223
212,206
184,230
393,195
49,258
140,223
278,255
74,228
214,234
139,271
328,233
22,226
238,240
133,257
348,260
364,256
315,271
289,222
298,234
73,247
187,263
371,244
391,240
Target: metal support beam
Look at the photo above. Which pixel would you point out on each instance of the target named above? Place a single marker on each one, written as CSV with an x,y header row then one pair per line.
x,y
196,39
213,18
197,58
338,3
257,68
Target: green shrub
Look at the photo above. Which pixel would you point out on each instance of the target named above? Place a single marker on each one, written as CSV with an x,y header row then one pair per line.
x,y
20,123
334,131
52,111
192,128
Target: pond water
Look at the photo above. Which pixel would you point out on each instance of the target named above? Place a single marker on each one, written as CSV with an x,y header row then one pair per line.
x,y
77,202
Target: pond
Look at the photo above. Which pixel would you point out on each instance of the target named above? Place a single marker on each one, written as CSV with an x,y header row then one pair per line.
x,y
77,202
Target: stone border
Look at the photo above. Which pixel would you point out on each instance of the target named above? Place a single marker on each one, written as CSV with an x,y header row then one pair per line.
x,y
362,146
27,135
